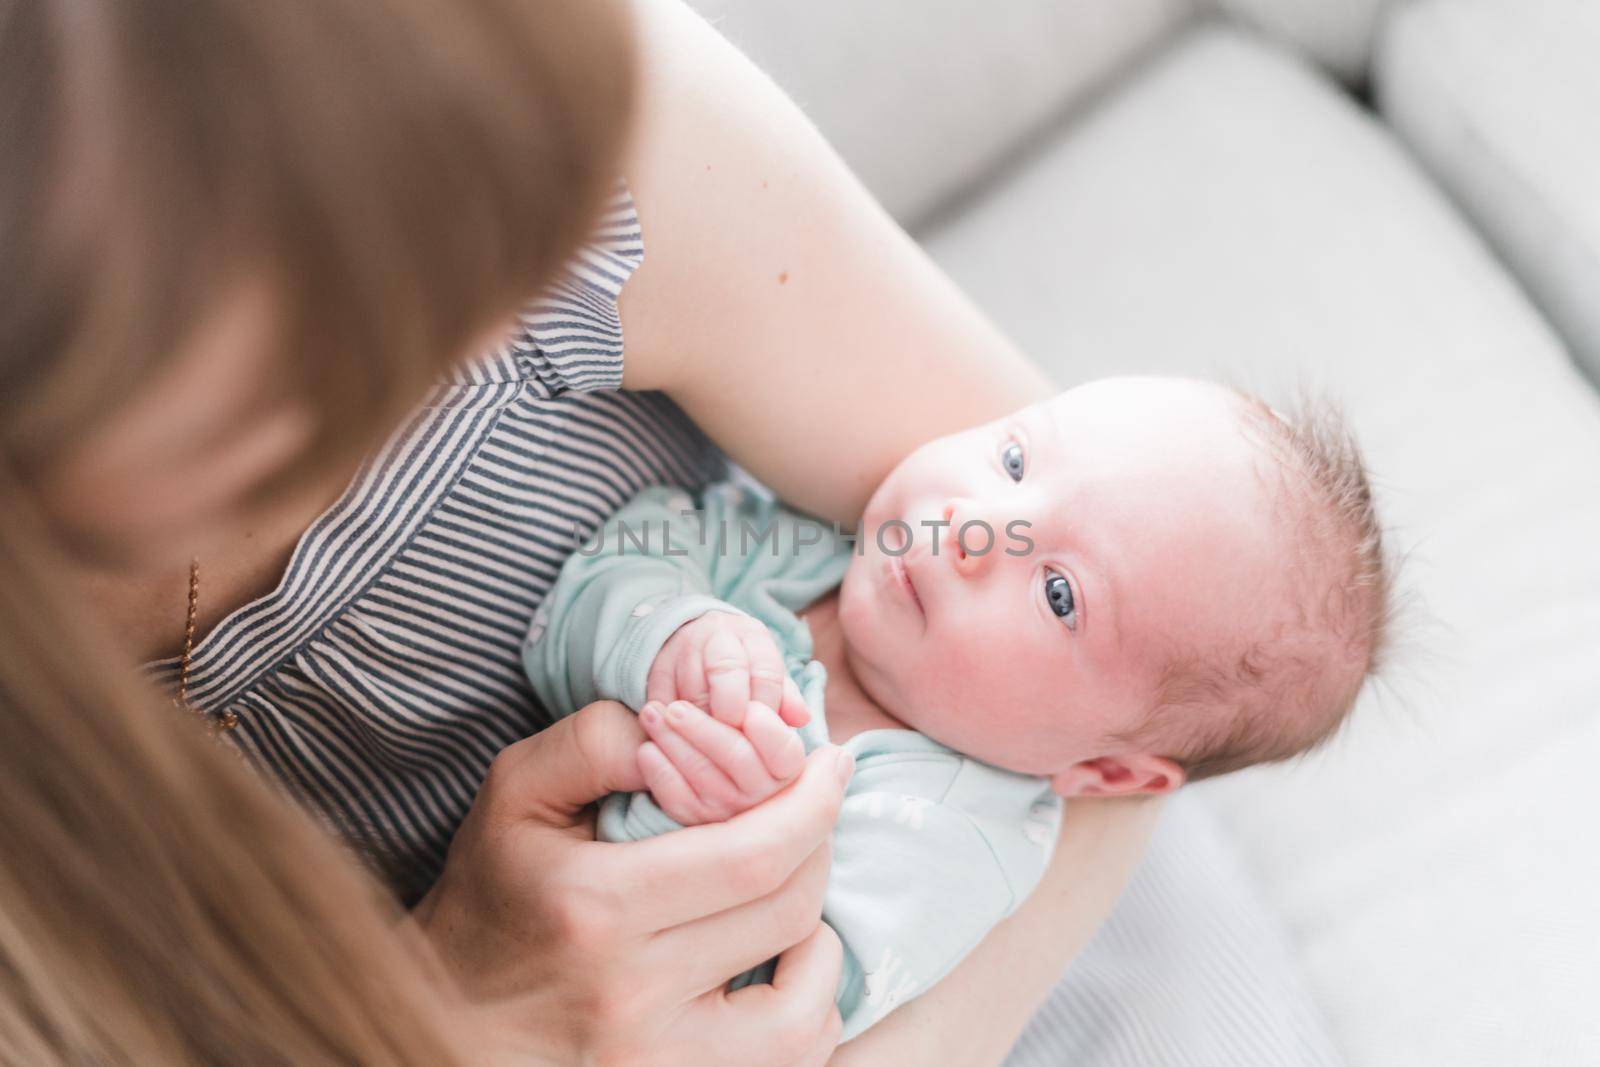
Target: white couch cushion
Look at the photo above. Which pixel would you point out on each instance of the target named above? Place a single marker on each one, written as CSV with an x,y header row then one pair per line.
x,y
1229,212
1193,970
1501,100
1336,33
921,97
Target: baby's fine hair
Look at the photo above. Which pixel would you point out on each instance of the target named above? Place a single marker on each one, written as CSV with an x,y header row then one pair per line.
x,y
1289,690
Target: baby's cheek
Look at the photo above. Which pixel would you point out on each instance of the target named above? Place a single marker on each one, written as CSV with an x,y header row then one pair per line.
x,y
970,667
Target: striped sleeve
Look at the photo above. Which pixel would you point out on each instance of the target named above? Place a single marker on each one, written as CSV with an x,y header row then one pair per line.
x,y
569,339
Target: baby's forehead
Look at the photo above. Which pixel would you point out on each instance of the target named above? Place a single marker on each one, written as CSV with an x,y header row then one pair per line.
x,y
1168,441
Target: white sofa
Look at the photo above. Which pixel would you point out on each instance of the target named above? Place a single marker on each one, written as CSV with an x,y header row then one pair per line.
x,y
1191,187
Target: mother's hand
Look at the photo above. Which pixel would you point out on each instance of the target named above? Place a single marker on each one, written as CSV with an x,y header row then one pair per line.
x,y
570,950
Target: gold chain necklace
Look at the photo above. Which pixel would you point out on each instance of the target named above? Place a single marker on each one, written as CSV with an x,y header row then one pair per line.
x,y
227,720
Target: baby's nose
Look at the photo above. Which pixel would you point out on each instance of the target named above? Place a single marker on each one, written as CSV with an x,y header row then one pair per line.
x,y
969,539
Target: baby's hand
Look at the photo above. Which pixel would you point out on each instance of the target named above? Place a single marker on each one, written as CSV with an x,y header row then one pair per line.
x,y
700,770
723,661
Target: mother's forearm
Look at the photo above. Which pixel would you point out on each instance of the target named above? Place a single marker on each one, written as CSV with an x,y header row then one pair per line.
x,y
973,1016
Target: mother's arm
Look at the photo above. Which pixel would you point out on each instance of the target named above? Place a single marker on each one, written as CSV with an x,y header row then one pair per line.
x,y
778,304
811,338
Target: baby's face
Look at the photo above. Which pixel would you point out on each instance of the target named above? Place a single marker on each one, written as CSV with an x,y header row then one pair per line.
x,y
1147,524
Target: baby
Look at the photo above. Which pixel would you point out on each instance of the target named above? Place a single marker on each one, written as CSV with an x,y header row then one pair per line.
x,y
1141,582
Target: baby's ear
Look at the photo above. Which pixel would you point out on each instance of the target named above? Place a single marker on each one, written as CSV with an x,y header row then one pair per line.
x,y
1118,776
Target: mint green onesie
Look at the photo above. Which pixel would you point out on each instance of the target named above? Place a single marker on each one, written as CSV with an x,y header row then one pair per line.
x,y
932,848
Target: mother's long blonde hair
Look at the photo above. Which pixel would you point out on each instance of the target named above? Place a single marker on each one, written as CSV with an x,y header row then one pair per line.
x,y
402,172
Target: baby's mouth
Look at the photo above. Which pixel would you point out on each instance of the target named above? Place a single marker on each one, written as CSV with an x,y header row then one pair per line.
x,y
902,577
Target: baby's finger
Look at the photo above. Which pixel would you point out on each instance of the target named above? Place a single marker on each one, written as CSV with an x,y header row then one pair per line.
x,y
779,747
727,676
766,666
715,789
726,747
672,794
793,710
661,684
690,673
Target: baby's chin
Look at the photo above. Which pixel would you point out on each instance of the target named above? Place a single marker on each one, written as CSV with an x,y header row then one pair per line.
x,y
862,610
983,745
985,734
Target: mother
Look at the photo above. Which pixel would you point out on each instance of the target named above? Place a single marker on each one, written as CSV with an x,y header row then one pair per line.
x,y
238,243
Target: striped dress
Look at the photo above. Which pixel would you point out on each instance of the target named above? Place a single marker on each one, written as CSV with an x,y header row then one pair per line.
x,y
381,676
383,673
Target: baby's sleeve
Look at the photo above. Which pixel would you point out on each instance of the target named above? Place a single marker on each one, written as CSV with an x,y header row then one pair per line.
x,y
919,879
617,600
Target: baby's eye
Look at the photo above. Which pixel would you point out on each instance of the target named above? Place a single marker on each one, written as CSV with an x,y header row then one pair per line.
x,y
1012,460
1058,594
